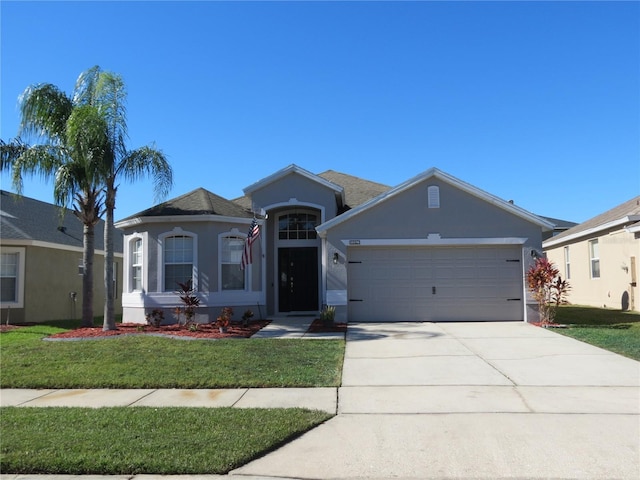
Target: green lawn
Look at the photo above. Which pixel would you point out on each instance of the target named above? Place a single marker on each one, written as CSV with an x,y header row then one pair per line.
x,y
128,440
612,330
27,361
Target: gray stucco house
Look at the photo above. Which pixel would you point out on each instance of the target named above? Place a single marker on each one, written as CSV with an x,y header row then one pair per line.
x,y
434,248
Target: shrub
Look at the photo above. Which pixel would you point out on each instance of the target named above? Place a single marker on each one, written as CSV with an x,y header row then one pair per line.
x,y
548,289
189,300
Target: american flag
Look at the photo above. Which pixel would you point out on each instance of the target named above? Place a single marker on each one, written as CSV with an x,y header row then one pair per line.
x,y
252,236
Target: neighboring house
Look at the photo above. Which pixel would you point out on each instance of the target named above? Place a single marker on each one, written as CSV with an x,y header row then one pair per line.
x,y
41,262
431,249
599,258
559,226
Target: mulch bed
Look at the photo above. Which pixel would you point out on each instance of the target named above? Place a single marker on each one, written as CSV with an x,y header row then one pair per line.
x,y
318,327
204,331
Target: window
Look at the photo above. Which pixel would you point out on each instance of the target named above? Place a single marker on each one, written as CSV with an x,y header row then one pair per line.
x,y
136,265
297,226
9,278
232,277
12,277
433,196
178,261
594,256
567,264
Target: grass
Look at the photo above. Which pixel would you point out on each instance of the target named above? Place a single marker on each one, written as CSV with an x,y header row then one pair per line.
x,y
612,330
129,441
152,362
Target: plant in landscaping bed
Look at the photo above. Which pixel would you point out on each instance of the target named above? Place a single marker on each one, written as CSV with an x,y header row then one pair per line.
x,y
548,289
224,319
328,315
190,302
246,317
155,318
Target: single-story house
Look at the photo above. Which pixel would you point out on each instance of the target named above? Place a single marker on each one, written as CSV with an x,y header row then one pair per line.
x,y
599,258
41,262
433,248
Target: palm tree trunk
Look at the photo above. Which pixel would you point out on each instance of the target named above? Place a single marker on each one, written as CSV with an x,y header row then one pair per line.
x,y
88,240
109,299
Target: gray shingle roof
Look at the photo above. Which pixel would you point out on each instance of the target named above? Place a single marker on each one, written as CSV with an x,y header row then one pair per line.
x,y
627,209
196,202
24,218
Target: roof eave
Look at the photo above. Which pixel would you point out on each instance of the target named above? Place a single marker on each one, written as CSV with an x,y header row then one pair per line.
x,y
132,222
591,231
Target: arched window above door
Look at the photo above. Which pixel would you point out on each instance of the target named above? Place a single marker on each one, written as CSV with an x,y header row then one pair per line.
x,y
297,226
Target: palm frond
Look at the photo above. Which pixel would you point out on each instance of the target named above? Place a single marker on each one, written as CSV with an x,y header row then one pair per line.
x,y
38,160
148,161
113,96
44,112
10,151
84,92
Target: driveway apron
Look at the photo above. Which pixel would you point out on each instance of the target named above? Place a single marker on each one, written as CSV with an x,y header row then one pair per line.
x,y
471,401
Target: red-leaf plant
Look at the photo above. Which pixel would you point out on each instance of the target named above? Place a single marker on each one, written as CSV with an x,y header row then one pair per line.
x,y
190,302
548,289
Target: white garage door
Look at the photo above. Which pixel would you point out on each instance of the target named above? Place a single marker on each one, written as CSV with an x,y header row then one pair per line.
x,y
477,283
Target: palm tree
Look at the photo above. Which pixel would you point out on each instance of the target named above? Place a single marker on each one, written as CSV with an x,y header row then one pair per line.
x,y
74,144
107,92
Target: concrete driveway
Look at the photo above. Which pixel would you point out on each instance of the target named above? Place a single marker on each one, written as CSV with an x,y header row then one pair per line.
x,y
471,401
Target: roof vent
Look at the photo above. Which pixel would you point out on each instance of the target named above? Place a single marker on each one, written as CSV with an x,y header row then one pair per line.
x,y
433,196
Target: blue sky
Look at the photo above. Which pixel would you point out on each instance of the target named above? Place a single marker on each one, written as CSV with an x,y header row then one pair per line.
x,y
538,102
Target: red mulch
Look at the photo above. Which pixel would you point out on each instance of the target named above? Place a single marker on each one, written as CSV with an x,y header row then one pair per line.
x,y
318,327
203,331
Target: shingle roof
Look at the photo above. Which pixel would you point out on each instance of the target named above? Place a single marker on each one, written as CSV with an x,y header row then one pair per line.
x,y
197,202
627,212
356,190
560,224
24,218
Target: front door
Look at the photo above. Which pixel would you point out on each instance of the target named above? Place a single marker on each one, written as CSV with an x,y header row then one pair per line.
x,y
298,279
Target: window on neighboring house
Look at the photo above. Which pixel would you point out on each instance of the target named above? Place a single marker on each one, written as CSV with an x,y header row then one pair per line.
x,y
232,276
178,261
594,256
136,265
297,226
9,278
567,264
433,196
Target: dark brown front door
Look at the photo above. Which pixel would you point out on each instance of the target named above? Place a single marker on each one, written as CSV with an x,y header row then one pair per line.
x,y
298,279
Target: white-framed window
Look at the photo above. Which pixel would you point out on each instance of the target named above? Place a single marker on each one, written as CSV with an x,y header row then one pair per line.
x,y
297,226
567,263
433,196
12,277
137,259
232,277
178,260
594,258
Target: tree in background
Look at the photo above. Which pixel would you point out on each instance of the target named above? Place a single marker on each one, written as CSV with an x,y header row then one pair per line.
x,y
547,288
71,144
107,92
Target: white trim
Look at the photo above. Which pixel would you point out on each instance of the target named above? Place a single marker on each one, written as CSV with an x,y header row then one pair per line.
x,y
432,240
20,280
456,183
591,231
132,222
127,265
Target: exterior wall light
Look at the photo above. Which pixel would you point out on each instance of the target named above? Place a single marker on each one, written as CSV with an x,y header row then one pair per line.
x,y
336,257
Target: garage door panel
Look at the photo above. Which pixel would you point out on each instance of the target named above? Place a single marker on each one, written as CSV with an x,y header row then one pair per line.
x,y
471,283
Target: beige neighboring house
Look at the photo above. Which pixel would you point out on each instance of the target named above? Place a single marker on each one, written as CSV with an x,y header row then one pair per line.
x,y
41,262
600,258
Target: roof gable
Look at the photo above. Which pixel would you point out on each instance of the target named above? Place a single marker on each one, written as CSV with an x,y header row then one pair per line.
x,y
627,213
449,179
296,170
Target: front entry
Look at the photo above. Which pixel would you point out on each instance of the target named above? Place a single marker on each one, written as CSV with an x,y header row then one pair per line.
x,y
298,279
